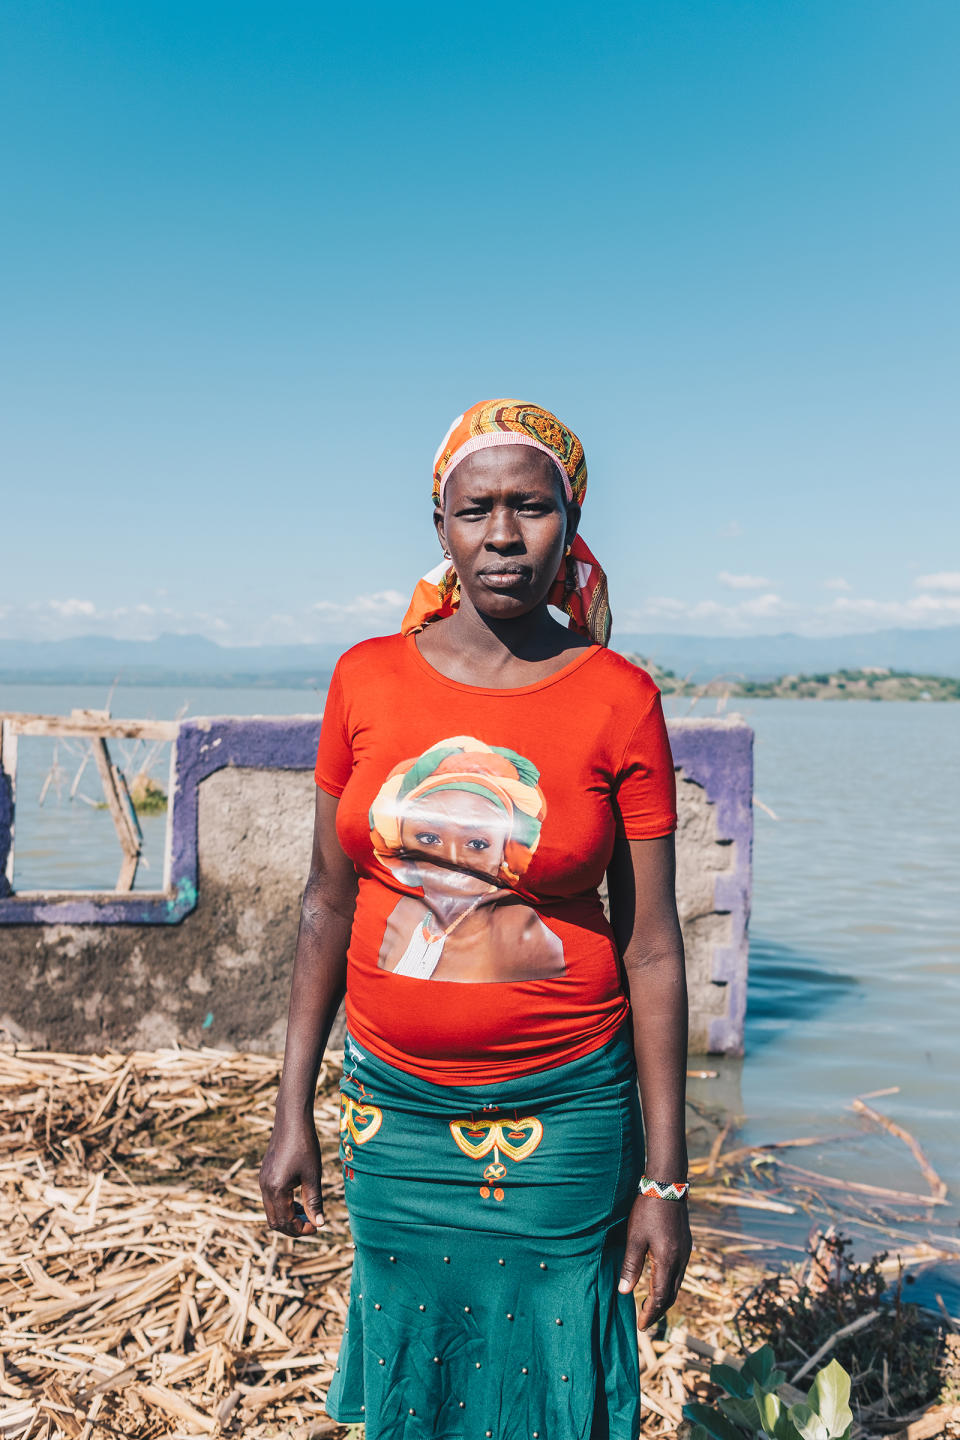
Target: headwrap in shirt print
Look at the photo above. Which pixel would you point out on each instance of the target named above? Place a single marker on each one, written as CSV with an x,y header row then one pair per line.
x,y
461,822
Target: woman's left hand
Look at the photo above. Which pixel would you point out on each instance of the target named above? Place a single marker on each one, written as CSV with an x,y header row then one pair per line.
x,y
658,1231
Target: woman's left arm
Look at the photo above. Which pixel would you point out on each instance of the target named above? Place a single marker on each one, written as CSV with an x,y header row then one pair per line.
x,y
643,912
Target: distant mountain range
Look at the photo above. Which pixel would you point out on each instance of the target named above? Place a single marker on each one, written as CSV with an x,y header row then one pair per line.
x,y
765,657
175,659
167,660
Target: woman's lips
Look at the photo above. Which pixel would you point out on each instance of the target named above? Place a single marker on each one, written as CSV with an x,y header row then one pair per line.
x,y
504,579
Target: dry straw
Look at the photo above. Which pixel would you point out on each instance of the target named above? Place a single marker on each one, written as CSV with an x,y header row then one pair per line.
x,y
142,1294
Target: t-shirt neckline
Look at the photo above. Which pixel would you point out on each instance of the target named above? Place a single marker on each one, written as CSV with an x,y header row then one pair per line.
x,y
584,655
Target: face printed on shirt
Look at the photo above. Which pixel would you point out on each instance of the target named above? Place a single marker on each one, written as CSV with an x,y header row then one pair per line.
x,y
461,805
460,823
455,841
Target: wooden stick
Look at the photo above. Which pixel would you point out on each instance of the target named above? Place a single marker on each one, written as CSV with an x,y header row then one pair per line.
x,y
183,1312
929,1426
91,723
742,1197
861,1323
733,1157
173,1404
937,1186
710,1168
128,844
879,1191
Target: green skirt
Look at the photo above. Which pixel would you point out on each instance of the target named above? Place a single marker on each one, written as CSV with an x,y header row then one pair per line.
x,y
489,1225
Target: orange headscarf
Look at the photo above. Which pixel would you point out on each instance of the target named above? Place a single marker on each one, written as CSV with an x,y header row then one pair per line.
x,y
580,588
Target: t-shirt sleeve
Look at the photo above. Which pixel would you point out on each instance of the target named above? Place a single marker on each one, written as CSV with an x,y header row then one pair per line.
x,y
645,797
334,753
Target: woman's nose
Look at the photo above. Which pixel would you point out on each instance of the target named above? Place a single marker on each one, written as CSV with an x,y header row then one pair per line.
x,y
503,528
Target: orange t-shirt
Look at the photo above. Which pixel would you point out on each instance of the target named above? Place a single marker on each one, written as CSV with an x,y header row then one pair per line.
x,y
481,822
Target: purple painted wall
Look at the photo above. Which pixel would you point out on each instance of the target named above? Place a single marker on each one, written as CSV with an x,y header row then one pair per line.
x,y
6,824
203,746
720,758
715,755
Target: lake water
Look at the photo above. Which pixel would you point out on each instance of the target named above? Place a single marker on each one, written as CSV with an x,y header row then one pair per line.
x,y
855,941
855,934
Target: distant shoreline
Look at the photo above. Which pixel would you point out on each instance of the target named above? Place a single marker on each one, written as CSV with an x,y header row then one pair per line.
x,y
215,680
871,683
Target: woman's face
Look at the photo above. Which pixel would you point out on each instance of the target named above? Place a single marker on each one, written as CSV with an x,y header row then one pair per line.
x,y
456,841
505,522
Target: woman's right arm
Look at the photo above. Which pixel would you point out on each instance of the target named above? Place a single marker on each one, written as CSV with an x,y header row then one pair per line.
x,y
319,983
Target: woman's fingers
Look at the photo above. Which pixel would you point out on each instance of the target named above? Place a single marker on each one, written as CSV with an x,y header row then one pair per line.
x,y
292,1161
312,1197
283,1213
661,1296
632,1267
659,1233
278,1205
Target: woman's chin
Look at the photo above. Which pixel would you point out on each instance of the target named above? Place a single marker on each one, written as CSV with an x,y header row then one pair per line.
x,y
504,604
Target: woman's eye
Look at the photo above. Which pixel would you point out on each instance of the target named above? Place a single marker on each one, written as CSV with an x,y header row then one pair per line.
x,y
427,837
478,843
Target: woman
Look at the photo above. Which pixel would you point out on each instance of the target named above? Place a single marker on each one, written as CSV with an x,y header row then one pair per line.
x,y
491,1138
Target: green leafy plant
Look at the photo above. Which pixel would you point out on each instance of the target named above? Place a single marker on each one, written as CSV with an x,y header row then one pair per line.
x,y
829,1295
751,1406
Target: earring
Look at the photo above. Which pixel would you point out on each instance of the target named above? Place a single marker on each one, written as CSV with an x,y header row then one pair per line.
x,y
446,554
568,549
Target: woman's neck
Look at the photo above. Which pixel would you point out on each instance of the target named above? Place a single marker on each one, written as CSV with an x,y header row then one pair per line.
x,y
470,646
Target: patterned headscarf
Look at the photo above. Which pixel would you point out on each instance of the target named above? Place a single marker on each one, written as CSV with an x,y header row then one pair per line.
x,y
580,588
497,774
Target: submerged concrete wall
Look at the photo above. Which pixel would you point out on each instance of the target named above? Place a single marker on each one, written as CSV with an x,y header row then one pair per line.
x,y
208,961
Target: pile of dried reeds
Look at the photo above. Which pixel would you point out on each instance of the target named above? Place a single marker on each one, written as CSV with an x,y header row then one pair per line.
x,y
142,1294
140,1290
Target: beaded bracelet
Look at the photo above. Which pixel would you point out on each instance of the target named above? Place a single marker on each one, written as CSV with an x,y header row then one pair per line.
x,y
671,1190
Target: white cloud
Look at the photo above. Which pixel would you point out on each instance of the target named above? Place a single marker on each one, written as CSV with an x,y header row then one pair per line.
x,y
62,619
344,620
202,621
942,580
919,610
740,618
68,608
381,602
742,582
770,613
731,531
765,606
838,584
665,605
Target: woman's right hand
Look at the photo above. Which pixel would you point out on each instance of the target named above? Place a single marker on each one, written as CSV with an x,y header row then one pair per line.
x,y
292,1159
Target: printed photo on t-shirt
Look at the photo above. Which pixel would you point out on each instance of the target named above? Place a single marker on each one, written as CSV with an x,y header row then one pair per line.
x,y
461,823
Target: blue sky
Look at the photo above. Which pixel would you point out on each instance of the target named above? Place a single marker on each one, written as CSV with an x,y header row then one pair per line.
x,y
256,257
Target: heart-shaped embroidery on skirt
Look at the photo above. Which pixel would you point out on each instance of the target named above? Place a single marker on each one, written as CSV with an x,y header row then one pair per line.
x,y
362,1121
515,1138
